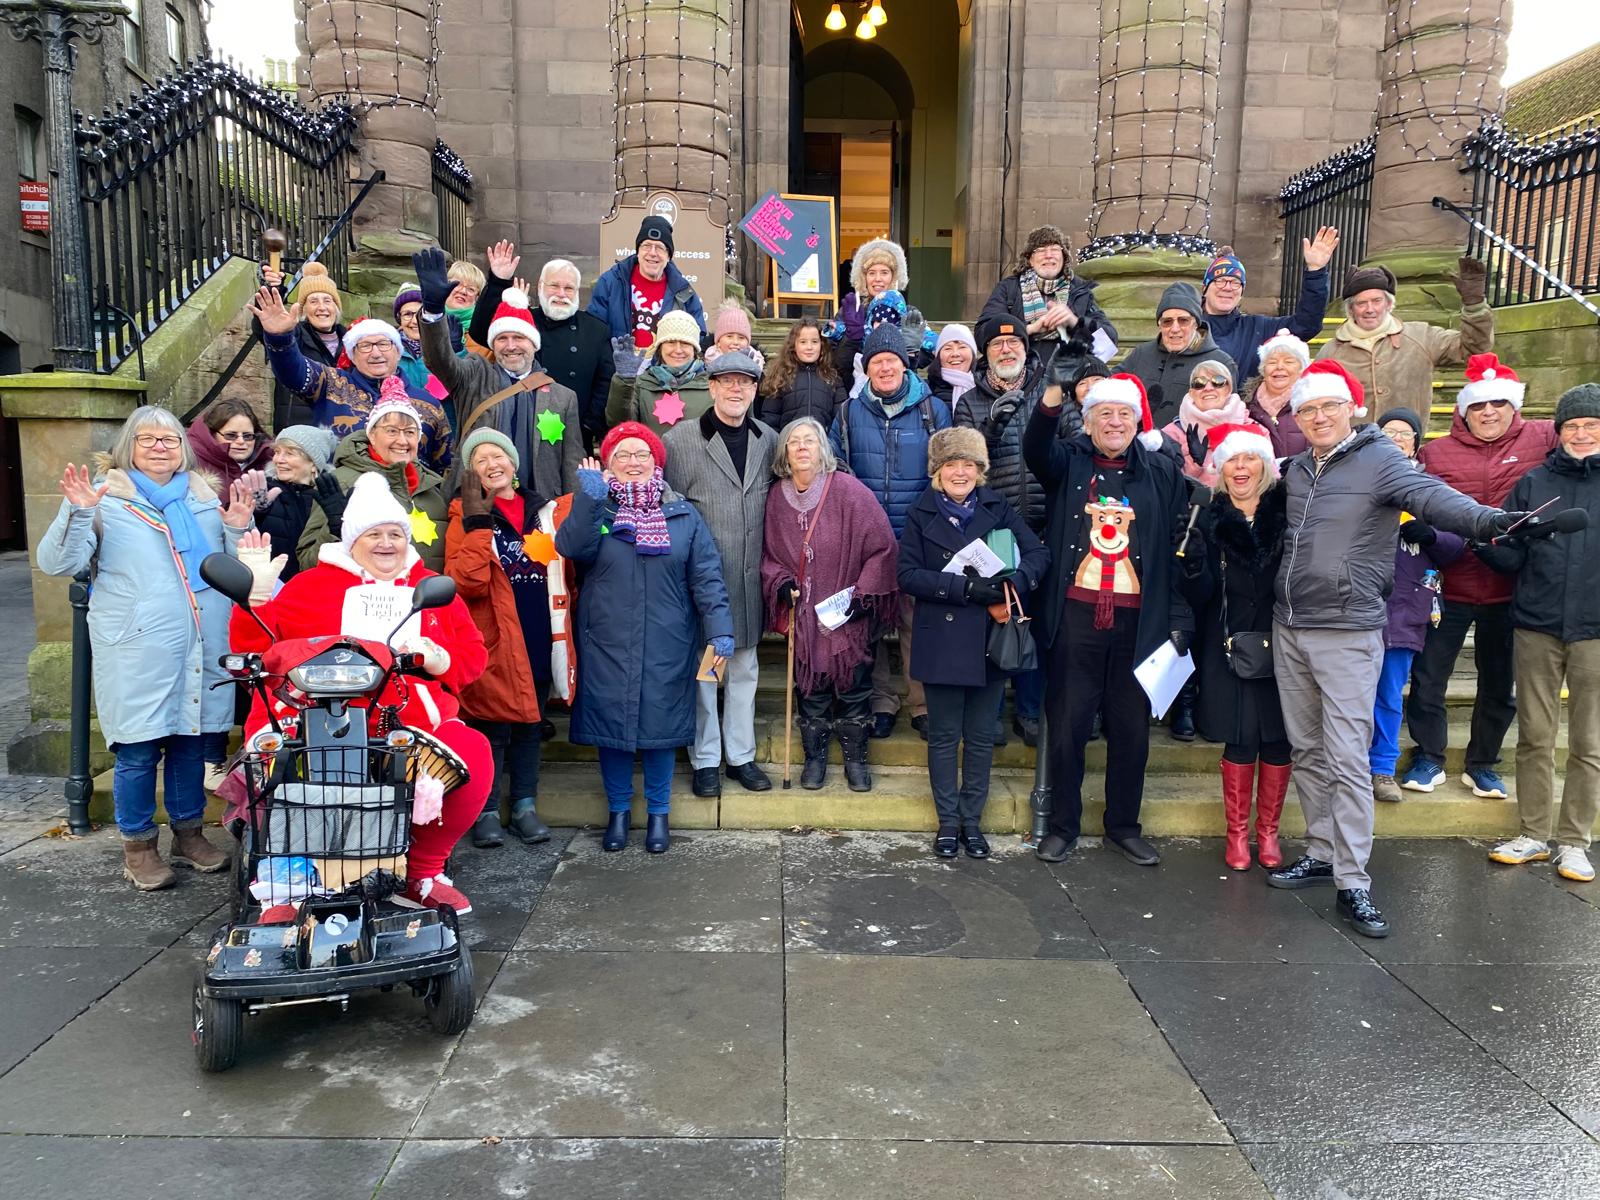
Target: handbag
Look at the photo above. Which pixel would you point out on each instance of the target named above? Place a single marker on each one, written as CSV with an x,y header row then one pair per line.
x,y
1248,654
1010,645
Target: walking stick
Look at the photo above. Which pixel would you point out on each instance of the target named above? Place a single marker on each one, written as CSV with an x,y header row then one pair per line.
x,y
788,700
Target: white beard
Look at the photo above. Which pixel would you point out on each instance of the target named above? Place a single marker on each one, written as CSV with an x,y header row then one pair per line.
x,y
556,309
1010,374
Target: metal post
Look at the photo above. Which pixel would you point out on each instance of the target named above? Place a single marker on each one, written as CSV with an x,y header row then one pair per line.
x,y
1041,798
54,24
80,784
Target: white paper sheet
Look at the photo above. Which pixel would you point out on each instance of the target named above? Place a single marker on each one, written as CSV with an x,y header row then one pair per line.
x,y
975,554
835,610
371,610
1162,677
1103,346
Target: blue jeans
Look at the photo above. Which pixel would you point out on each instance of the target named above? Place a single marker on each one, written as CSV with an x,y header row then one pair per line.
x,y
133,784
1387,711
1027,690
616,773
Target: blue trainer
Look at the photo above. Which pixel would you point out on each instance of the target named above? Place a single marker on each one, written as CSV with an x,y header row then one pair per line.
x,y
1426,773
1484,782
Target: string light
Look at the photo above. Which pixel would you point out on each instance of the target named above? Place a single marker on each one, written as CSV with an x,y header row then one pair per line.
x,y
1404,100
382,94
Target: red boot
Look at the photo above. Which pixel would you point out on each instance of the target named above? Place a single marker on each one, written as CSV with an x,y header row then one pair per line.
x,y
1269,807
1238,779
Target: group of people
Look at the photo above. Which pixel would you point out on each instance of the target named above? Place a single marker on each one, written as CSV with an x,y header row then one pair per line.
x,y
629,497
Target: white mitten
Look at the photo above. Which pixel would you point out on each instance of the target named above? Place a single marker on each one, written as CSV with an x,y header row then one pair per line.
x,y
435,658
264,569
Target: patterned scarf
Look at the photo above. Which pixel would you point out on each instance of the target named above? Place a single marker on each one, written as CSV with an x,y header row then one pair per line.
x,y
1036,297
673,377
1104,601
639,513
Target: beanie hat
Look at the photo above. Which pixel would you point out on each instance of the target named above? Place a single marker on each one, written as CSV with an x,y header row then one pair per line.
x,y
370,327
484,435
392,398
731,318
1327,380
513,316
1284,342
1000,325
1490,379
1225,265
885,339
1576,402
678,326
1244,437
878,250
1128,391
890,307
371,503
1040,237
1087,367
1410,417
632,429
952,443
1181,296
316,444
408,293
955,333
314,281
1366,279
655,228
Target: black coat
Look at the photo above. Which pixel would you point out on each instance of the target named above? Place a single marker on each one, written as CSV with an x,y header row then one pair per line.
x,y
950,637
808,395
1233,709
1078,341
288,408
285,518
1001,418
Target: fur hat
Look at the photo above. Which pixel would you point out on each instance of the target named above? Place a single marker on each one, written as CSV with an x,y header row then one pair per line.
x,y
485,435
1244,437
678,326
1578,402
314,281
1490,379
1038,239
1366,279
878,250
655,228
371,503
370,327
315,443
731,318
1128,391
408,293
1284,342
885,339
1000,324
952,443
1225,265
513,316
633,429
392,398
1326,379
955,333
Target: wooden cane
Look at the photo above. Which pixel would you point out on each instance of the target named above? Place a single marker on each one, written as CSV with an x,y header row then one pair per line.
x,y
788,701
274,242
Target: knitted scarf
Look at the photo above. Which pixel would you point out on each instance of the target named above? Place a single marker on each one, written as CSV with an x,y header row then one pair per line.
x,y
896,401
639,513
961,382
673,377
1036,297
1104,601
172,498
1352,333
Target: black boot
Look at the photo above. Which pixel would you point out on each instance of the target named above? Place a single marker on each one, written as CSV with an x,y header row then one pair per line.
x,y
486,829
1182,728
814,734
616,835
657,837
853,741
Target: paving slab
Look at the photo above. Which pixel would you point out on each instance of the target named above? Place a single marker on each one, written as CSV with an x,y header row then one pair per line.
x,y
1539,1021
127,1066
236,1168
42,988
18,829
1333,1052
1019,1171
1299,1171
1192,907
981,1049
885,893
628,1044
716,891
504,884
585,1169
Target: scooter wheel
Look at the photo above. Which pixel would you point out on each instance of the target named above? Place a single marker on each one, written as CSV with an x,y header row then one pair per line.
x,y
218,1030
450,1001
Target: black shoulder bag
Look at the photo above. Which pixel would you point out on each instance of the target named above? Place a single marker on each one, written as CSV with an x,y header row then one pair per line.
x,y
1248,654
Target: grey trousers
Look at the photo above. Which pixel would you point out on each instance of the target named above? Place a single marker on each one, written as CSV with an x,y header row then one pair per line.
x,y
736,727
1544,663
1328,684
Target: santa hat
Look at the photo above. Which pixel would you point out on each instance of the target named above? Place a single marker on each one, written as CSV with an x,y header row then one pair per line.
x,y
513,316
1244,437
633,429
1327,380
370,327
392,398
1128,391
371,503
1490,379
1284,342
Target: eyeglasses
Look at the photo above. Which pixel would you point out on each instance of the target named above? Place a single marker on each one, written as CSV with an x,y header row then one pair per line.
x,y
1399,435
631,456
1331,408
1172,322
742,382
1579,428
237,437
149,441
1210,383
1225,282
375,346
1480,405
409,433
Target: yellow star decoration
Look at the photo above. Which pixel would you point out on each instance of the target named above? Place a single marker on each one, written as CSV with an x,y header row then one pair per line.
x,y
539,546
424,530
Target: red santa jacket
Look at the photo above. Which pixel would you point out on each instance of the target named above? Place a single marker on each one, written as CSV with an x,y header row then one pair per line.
x,y
1485,471
312,605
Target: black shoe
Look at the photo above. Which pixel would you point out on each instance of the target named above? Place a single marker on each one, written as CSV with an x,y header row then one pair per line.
x,y
547,730
708,781
526,825
920,724
1054,848
750,777
657,837
1303,872
616,835
1135,849
1027,729
882,725
976,844
946,844
1355,905
999,733
1182,728
814,736
486,831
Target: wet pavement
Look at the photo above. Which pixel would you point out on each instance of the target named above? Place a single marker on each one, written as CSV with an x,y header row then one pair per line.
x,y
817,1017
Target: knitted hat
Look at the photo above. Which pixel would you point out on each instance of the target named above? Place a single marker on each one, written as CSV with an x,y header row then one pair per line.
x,y
316,444
1576,402
1088,367
314,281
952,443
632,429
1284,342
1244,437
409,293
1000,324
885,339
955,333
392,398
1224,266
1038,239
878,250
1490,379
1212,364
370,327
1328,380
1181,296
1128,391
1410,417
371,503
655,228
1366,279
513,316
483,435
735,362
678,326
731,318
890,307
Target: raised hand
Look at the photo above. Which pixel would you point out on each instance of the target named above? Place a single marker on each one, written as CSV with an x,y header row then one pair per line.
x,y
240,510
522,286
1318,252
268,308
503,259
475,501
254,539
77,485
262,495
270,277
1471,280
433,278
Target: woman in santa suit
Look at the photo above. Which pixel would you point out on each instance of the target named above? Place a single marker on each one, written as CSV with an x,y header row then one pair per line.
x,y
374,552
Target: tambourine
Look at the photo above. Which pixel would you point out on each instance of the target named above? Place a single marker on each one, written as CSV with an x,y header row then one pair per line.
x,y
431,756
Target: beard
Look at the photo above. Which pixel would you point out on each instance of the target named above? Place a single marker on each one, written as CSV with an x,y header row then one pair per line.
x,y
1007,371
556,308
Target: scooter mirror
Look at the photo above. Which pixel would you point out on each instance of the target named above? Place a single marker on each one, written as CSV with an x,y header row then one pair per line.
x,y
436,591
229,576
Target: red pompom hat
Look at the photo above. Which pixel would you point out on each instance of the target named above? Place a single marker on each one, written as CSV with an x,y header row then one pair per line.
x,y
1328,380
633,429
1490,379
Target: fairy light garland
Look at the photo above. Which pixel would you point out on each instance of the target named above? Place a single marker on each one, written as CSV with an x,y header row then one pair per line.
x,y
1436,143
386,93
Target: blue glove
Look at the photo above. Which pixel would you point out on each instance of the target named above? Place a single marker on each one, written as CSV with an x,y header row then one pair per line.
x,y
626,360
433,278
722,647
592,483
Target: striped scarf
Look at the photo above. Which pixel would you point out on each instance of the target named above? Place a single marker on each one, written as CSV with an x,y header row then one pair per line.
x,y
639,513
1036,297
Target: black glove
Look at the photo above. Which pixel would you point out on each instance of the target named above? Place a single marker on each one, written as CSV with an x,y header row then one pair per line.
x,y
1194,558
789,593
1504,521
1416,532
985,591
331,497
433,277
1063,367
1180,641
1199,447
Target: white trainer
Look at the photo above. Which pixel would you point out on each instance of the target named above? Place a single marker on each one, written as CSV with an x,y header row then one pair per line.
x,y
1520,850
1572,863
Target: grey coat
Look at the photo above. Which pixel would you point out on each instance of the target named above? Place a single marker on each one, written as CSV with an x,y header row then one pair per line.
x,y
1165,373
698,468
1343,527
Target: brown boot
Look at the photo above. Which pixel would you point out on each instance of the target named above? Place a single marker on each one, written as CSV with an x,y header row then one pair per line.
x,y
142,866
190,849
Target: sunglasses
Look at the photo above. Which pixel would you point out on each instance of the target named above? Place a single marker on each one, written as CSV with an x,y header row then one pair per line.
x,y
1480,405
237,437
1210,383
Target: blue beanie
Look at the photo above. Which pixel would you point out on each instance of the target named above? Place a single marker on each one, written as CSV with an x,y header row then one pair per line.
x,y
1223,266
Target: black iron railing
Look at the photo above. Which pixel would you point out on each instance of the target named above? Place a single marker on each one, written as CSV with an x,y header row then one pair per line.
x,y
1537,207
452,190
1338,192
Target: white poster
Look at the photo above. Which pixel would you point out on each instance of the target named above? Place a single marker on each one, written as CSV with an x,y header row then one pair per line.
x,y
371,610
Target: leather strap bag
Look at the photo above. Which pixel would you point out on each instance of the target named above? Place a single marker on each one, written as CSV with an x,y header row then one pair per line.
x,y
528,383
1248,654
1010,645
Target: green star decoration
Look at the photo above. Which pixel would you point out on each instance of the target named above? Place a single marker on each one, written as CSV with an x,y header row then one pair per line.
x,y
551,427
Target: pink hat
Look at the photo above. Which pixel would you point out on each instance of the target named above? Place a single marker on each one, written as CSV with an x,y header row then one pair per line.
x,y
731,318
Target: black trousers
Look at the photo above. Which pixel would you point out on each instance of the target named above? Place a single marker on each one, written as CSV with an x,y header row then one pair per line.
x,y
961,717
1091,670
517,748
1495,706
839,704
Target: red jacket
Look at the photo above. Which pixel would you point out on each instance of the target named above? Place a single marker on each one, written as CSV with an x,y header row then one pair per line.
x,y
311,605
1486,471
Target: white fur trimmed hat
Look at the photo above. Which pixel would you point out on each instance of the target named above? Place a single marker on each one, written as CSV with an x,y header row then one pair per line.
x,y
1245,437
1326,379
370,327
1490,379
878,250
1284,342
1128,391
371,503
513,316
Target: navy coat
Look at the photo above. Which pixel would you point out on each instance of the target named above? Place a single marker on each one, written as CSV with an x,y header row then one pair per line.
x,y
612,301
950,637
643,624
889,454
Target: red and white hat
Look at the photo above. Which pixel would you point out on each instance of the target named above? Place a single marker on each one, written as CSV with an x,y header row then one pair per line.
x,y
1244,437
1284,342
1490,379
1327,380
1128,391
513,316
